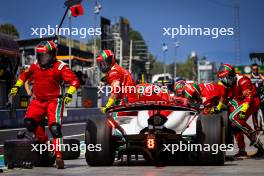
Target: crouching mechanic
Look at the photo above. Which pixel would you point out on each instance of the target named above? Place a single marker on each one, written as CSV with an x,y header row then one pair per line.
x,y
191,92
49,75
243,102
206,94
118,78
178,88
210,95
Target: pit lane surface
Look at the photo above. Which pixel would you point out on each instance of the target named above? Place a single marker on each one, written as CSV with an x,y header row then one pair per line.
x,y
74,130
245,167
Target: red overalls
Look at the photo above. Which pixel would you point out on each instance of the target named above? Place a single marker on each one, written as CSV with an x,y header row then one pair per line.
x,y
242,92
48,96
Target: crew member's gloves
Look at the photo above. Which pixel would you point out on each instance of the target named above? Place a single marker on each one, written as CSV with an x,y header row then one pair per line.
x,y
68,95
14,90
243,110
108,104
217,108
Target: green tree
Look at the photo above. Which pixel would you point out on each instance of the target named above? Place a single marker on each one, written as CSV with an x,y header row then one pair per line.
x,y
9,29
152,60
157,67
135,35
184,70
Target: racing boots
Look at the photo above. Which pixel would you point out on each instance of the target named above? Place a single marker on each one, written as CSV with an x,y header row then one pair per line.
x,y
258,144
258,154
241,153
59,163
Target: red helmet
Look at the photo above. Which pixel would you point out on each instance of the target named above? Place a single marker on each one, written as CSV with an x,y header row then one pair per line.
x,y
178,87
225,69
226,74
192,91
106,60
46,53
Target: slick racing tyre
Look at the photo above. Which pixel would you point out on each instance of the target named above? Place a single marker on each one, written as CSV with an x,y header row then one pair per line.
x,y
74,149
21,153
209,130
229,137
98,134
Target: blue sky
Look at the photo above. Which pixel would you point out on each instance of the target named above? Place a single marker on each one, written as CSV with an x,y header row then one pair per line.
x,y
150,16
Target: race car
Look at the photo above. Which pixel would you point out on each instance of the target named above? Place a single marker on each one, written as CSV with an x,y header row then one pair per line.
x,y
158,129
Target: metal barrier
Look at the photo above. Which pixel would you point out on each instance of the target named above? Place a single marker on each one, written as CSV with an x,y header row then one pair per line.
x,y
89,96
86,97
72,115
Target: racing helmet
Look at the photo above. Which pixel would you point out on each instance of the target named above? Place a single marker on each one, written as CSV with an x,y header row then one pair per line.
x,y
46,53
178,87
106,60
226,75
191,91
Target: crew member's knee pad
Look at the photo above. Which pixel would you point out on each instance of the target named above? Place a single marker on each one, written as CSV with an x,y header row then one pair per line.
x,y
55,130
30,124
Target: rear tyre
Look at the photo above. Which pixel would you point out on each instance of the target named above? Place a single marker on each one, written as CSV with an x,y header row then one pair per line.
x,y
210,133
19,151
229,137
74,151
98,135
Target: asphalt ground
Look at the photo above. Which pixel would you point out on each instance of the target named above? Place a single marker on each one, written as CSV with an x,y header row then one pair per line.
x,y
74,130
241,167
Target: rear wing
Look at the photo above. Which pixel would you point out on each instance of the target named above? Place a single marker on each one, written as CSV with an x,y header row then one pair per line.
x,y
140,107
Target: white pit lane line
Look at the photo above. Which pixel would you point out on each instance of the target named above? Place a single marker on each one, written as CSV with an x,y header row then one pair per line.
x,y
75,135
64,125
65,137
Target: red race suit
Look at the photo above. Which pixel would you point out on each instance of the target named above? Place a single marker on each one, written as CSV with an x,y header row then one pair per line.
x,y
48,96
210,95
126,92
242,92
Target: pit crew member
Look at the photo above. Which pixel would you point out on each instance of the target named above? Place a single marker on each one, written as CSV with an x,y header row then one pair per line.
x,y
118,78
49,76
206,94
243,101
